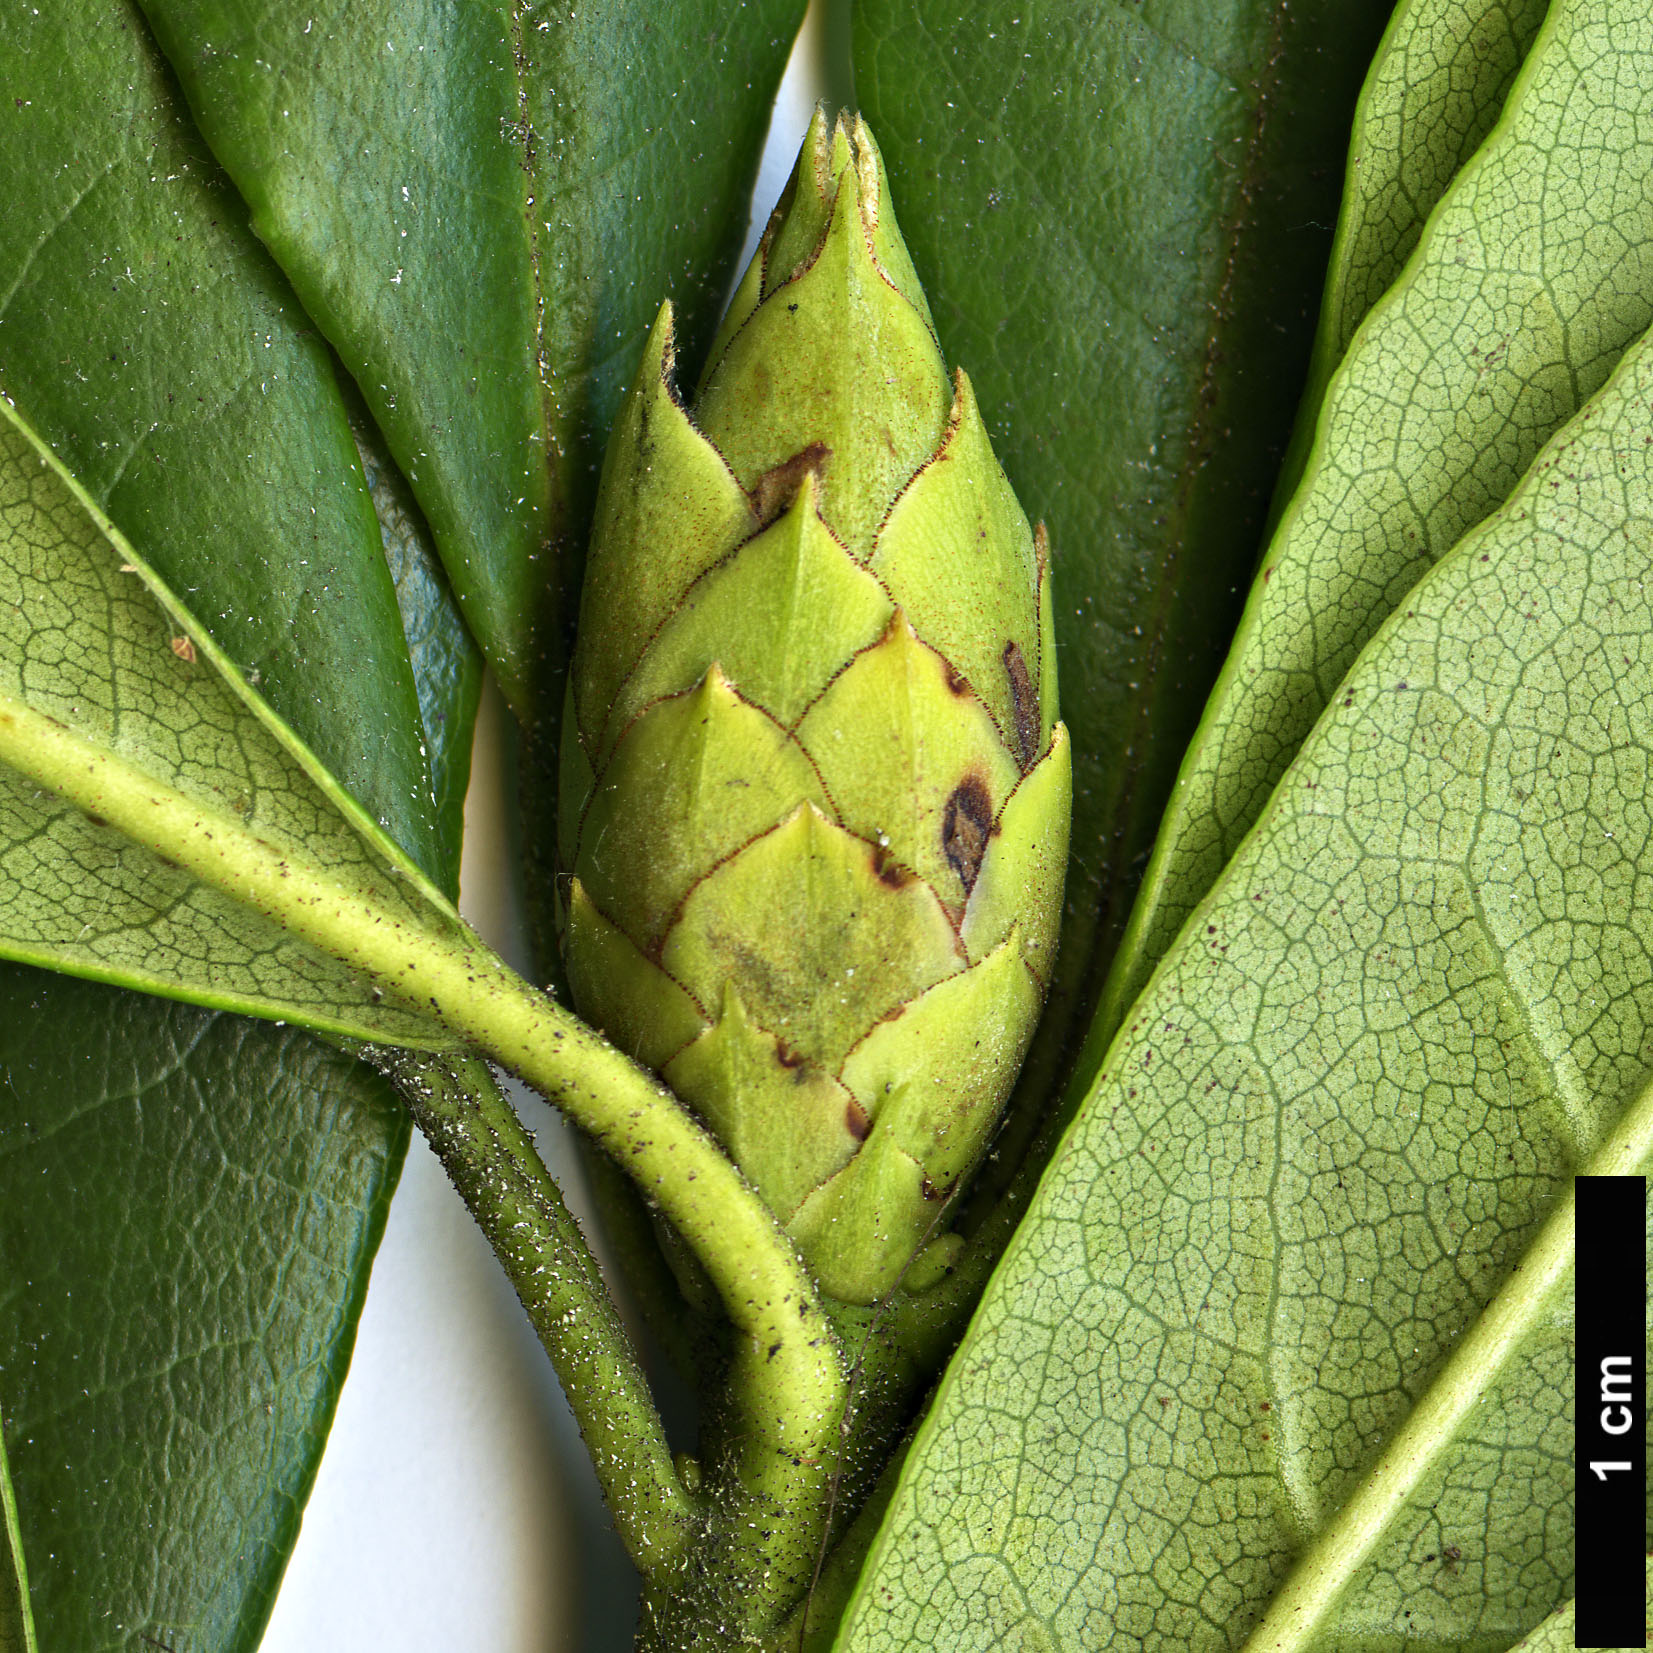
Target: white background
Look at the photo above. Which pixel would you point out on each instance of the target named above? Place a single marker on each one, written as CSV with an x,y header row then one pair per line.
x,y
455,1511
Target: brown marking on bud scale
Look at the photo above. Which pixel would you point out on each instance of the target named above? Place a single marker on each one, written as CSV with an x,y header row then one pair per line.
x,y
966,825
1024,704
957,682
779,485
888,870
856,1121
788,1057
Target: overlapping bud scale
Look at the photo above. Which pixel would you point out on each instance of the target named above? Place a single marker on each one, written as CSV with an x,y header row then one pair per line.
x,y
815,797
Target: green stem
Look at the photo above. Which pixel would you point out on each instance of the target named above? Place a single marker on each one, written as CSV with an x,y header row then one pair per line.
x,y
787,1380
812,1627
671,1322
492,1162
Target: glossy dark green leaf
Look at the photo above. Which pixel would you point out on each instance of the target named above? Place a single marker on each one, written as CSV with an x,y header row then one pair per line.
x,y
188,1207
133,288
341,1137
150,340
482,207
447,666
1121,216
379,150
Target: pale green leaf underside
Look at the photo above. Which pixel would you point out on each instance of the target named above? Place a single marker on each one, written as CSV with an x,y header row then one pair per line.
x,y
16,1622
1417,999
1435,89
1428,1480
1555,1634
1533,275
109,689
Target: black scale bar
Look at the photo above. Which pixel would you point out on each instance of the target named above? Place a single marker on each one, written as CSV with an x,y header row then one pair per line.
x,y
1610,1416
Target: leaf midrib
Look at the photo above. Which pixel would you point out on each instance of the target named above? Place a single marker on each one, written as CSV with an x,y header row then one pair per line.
x,y
341,916
1310,1595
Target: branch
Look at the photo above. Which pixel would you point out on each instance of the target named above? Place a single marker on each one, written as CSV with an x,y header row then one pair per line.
x,y
492,1162
788,1382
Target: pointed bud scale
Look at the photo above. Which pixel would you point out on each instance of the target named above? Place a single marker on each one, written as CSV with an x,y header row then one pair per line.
x,y
815,793
864,381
